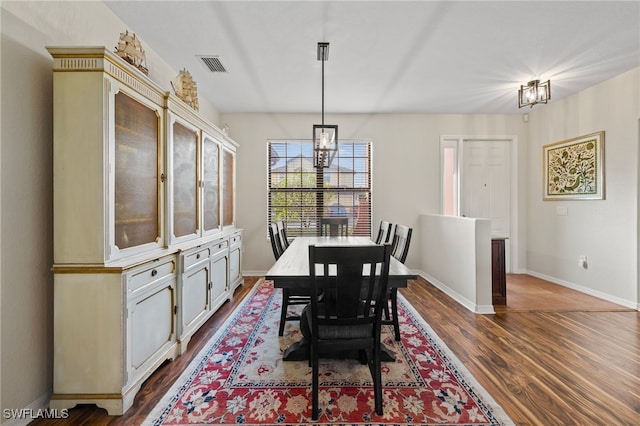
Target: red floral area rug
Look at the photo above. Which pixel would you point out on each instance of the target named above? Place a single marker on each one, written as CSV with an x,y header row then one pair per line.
x,y
239,378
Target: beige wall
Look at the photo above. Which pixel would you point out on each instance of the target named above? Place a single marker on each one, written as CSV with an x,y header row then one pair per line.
x,y
26,303
606,231
406,181
406,150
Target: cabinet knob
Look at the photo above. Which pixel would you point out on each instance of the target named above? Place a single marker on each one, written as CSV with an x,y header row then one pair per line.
x,y
198,256
154,272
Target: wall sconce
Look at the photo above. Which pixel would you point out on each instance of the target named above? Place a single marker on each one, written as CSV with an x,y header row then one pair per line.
x,y
325,136
534,93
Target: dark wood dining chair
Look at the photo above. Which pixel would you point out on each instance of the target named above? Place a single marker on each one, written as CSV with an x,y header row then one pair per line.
x,y
384,232
348,317
290,296
282,231
276,244
401,242
334,226
400,249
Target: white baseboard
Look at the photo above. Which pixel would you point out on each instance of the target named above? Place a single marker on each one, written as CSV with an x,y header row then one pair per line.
x,y
470,305
253,273
591,292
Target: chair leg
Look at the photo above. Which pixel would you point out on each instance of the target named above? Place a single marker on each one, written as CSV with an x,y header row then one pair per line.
x,y
394,310
313,355
377,382
283,311
375,367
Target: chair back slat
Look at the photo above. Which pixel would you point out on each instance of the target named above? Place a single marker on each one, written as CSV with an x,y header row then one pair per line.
x,y
384,232
351,294
282,234
274,237
334,226
401,242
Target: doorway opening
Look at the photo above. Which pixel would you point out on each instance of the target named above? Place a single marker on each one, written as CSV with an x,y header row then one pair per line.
x,y
479,178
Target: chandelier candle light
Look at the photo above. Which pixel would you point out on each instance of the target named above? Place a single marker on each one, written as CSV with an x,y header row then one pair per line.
x,y
325,136
534,93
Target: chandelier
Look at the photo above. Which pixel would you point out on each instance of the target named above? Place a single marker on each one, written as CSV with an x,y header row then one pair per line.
x,y
325,136
534,93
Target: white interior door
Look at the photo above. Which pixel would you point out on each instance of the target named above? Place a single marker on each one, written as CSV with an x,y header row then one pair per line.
x,y
485,190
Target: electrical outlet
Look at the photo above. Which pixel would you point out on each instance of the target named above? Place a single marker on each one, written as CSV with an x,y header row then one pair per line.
x,y
562,211
582,262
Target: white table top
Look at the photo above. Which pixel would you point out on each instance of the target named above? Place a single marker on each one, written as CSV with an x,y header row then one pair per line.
x,y
293,265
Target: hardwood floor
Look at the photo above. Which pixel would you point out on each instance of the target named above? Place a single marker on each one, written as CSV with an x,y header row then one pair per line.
x,y
528,293
545,367
570,363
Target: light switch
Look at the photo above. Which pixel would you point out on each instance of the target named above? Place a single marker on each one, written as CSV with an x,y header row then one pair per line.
x,y
562,211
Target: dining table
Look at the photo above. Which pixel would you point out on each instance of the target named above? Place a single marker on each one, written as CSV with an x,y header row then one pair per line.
x,y
291,270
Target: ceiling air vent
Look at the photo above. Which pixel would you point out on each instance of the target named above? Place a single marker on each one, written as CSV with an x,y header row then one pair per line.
x,y
213,63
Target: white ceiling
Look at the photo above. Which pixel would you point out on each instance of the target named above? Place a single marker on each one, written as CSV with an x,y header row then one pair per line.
x,y
388,56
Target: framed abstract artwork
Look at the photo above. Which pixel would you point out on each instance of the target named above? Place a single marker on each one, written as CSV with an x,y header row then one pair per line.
x,y
573,169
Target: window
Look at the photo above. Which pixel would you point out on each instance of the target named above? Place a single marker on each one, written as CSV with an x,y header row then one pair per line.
x,y
299,194
449,176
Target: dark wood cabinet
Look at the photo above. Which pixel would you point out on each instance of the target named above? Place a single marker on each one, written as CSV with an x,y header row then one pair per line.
x,y
498,272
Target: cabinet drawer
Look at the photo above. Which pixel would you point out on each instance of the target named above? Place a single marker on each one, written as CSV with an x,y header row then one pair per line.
x,y
219,247
195,256
235,240
150,272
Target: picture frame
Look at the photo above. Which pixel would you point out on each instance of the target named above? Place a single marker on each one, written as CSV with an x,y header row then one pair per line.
x,y
573,169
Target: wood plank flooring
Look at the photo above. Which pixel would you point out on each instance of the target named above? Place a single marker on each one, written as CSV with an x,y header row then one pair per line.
x,y
527,293
570,363
550,367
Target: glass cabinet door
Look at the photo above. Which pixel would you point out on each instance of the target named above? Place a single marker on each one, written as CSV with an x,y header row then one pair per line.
x,y
210,176
228,165
185,180
137,219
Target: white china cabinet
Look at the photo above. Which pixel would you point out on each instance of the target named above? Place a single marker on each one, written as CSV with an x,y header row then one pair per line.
x,y
145,243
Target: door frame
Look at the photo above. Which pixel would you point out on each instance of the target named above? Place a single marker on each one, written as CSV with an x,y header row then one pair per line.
x,y
513,265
